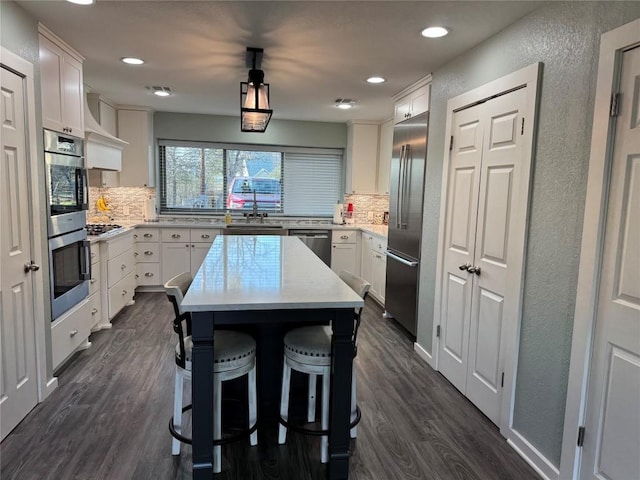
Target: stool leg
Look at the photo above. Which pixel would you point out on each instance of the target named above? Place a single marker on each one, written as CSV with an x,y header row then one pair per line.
x,y
217,422
326,382
177,411
354,430
253,404
311,405
284,401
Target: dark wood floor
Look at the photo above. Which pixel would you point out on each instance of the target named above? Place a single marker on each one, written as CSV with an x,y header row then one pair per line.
x,y
108,418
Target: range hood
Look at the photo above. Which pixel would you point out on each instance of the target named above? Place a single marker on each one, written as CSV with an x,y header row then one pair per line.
x,y
104,151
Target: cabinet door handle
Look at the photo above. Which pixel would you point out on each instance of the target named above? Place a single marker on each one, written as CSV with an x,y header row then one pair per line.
x,y
475,270
192,245
344,237
124,292
94,310
123,266
92,281
465,266
148,274
148,252
149,235
204,235
135,235
73,332
175,235
135,254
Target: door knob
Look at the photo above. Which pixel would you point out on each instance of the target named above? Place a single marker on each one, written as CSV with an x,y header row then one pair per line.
x,y
466,267
475,270
31,267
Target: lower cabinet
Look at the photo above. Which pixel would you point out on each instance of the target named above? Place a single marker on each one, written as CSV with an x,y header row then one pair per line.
x,y
373,266
148,255
70,332
94,287
344,251
184,249
118,276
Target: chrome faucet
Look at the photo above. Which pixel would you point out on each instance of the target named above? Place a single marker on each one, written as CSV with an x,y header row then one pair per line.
x,y
255,213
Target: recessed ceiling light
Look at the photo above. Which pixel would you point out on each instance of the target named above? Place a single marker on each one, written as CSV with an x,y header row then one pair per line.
x,y
160,91
132,60
81,2
345,103
434,32
376,79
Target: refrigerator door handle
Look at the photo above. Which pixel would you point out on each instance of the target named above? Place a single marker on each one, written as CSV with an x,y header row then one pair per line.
x,y
406,189
400,188
393,256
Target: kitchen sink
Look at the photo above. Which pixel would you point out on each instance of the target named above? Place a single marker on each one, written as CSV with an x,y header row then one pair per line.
x,y
259,226
254,229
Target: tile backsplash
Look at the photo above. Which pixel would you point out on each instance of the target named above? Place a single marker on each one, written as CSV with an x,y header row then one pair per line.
x,y
368,208
127,203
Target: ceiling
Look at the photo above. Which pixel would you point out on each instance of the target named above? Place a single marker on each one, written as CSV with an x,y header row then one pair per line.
x,y
314,51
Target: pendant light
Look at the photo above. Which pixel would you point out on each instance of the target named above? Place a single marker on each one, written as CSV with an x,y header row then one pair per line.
x,y
254,95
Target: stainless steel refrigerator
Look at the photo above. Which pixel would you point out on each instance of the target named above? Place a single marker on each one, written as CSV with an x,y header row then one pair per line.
x,y
406,194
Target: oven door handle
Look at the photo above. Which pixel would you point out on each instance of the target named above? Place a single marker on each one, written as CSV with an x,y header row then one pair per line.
x,y
85,263
82,190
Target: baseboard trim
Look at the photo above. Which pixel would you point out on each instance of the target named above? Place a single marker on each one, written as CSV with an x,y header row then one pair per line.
x,y
532,456
422,353
49,387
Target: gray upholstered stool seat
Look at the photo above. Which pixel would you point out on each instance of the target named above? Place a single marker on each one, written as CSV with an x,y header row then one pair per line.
x,y
308,350
234,356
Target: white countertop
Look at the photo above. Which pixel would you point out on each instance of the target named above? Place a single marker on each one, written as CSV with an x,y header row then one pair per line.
x,y
265,272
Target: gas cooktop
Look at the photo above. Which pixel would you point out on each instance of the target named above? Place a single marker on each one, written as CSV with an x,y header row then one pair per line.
x,y
103,229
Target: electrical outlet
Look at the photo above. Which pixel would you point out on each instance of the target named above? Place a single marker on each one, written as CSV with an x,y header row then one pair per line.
x,y
125,210
370,216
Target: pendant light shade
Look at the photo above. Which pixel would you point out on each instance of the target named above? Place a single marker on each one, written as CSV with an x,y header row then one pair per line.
x,y
254,96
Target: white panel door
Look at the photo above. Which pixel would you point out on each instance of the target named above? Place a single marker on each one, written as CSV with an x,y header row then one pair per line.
x,y
18,382
198,253
502,162
176,259
461,216
612,433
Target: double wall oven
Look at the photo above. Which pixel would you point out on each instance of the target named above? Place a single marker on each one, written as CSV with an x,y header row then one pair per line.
x,y
67,199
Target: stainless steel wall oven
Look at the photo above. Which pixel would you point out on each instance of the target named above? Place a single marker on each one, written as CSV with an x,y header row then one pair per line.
x,y
67,198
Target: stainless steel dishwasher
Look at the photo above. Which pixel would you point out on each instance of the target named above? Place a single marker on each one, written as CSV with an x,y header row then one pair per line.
x,y
319,241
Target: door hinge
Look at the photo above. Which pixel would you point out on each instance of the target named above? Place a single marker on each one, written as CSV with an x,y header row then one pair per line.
x,y
615,102
502,381
522,127
451,143
438,331
580,436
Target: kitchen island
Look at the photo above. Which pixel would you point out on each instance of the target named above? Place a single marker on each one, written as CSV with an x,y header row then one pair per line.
x,y
263,280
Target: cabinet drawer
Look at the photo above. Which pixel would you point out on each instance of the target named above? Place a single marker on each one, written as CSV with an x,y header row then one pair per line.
x,y
146,252
204,234
94,281
69,332
148,274
344,236
147,235
120,267
120,245
95,253
379,244
121,294
95,310
175,235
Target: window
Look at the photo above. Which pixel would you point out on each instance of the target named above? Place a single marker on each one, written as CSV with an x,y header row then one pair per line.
x,y
205,178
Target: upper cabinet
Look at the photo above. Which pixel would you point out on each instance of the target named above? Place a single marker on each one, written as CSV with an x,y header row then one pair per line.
x,y
413,100
135,125
61,84
385,149
362,157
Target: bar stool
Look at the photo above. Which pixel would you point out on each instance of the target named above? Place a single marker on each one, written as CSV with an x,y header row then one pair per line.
x,y
234,357
308,350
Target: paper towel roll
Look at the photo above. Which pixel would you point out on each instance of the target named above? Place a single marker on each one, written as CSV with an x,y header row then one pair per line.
x,y
338,211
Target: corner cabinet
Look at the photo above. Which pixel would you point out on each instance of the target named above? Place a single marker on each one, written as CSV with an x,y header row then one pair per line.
x,y
135,125
61,85
413,100
385,151
362,157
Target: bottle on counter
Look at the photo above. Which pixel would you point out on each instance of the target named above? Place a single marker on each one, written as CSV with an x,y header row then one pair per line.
x,y
227,218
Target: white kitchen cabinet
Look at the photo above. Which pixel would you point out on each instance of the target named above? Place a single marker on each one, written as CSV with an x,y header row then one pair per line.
x,y
61,85
373,267
344,251
366,266
148,253
413,100
385,150
95,284
118,281
183,249
362,157
70,332
135,125
104,112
